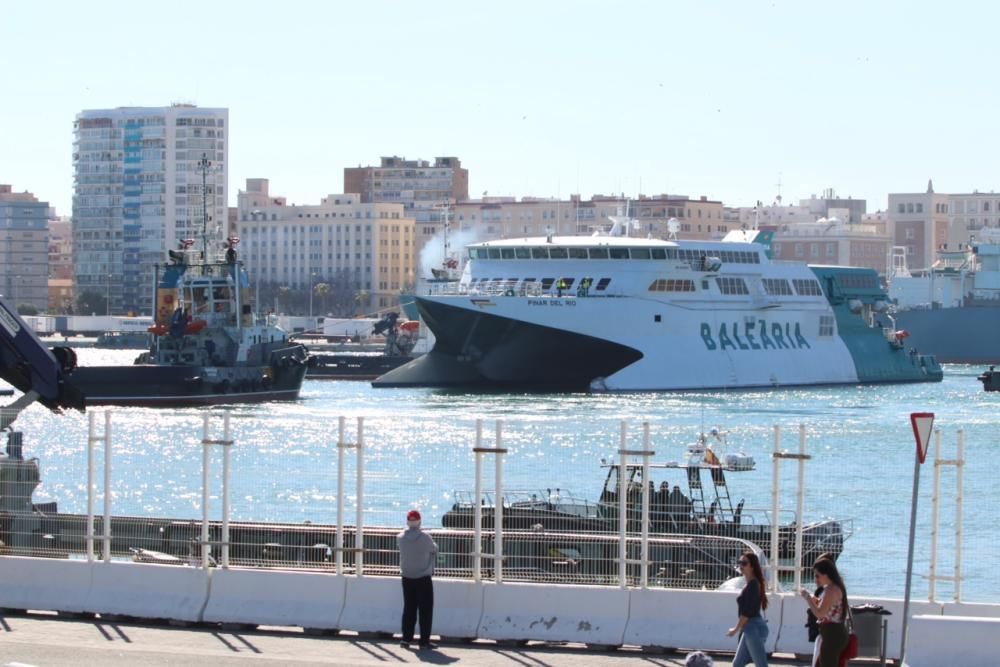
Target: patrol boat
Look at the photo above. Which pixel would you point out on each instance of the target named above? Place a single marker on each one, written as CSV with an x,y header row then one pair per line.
x,y
208,346
613,313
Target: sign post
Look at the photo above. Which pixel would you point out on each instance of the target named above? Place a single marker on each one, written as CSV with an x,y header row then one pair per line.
x,y
923,424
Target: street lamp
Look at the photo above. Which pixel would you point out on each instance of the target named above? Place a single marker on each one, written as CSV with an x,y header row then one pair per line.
x,y
312,279
108,300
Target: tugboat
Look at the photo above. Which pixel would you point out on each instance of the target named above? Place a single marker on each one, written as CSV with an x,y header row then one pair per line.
x,y
990,379
208,347
400,337
705,510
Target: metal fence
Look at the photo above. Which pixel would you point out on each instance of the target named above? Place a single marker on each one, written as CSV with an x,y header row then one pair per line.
x,y
647,520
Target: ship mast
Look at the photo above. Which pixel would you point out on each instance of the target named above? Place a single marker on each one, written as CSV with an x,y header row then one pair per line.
x,y
204,164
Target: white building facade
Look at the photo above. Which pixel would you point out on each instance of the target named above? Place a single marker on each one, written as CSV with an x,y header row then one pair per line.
x,y
367,246
145,178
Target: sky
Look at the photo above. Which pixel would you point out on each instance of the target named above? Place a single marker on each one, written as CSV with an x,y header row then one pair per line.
x,y
736,101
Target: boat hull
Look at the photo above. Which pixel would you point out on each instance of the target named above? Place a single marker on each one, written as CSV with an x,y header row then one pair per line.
x,y
630,344
354,366
965,335
181,386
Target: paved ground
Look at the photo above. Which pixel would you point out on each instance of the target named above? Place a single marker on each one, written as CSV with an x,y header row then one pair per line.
x,y
46,640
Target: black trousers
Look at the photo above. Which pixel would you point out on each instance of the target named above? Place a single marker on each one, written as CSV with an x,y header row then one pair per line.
x,y
418,598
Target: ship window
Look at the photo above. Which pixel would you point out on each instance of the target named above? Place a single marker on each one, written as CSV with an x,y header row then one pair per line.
x,y
578,253
777,287
507,253
729,285
557,253
671,285
602,284
659,253
807,287
598,253
494,253
522,252
640,253
618,253
826,325
547,283
539,253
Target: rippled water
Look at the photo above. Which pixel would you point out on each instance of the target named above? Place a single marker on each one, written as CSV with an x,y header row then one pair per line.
x,y
419,445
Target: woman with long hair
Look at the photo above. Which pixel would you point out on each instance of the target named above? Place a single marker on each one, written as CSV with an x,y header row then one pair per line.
x,y
751,625
830,608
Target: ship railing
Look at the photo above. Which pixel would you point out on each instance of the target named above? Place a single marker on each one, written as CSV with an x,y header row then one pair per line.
x,y
556,500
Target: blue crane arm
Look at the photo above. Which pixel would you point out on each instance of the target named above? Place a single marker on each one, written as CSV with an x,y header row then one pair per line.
x,y
30,367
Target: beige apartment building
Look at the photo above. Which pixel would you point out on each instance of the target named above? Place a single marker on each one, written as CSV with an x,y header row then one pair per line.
x,y
504,217
24,238
831,240
366,247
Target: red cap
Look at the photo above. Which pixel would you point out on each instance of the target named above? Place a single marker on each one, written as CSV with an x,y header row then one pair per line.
x,y
413,515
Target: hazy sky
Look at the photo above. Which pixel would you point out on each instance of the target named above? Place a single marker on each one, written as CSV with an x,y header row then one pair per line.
x,y
723,99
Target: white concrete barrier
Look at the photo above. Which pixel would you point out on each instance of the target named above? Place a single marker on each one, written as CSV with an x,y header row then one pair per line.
x,y
794,637
274,597
689,619
980,609
44,584
458,608
176,592
372,604
588,614
956,641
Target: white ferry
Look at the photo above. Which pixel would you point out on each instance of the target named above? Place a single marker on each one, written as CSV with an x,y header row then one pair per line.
x,y
614,313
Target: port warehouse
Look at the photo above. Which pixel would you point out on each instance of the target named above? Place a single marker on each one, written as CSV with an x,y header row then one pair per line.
x,y
95,325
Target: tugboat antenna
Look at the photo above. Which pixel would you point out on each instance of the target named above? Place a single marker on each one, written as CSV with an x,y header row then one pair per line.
x,y
203,165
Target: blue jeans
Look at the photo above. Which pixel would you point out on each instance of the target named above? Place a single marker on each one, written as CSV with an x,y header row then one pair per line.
x,y
751,646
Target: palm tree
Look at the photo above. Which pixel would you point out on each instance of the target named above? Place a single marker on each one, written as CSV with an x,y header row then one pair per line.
x,y
361,299
321,290
283,293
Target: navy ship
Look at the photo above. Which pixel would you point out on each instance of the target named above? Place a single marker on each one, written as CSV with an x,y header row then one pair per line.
x,y
613,313
208,347
952,309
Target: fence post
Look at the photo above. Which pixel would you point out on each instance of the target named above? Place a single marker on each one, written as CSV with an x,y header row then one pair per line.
x,y
935,502
799,506
359,554
960,489
498,512
226,456
477,510
622,508
646,498
775,491
107,487
91,484
339,541
206,548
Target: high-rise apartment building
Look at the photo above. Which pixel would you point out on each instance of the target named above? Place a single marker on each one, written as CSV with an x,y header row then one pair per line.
x,y
145,179
364,249
421,187
24,248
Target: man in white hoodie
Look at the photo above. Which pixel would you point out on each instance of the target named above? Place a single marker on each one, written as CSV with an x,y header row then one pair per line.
x,y
417,555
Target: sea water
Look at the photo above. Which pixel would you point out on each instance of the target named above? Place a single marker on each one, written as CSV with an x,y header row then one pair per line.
x,y
419,453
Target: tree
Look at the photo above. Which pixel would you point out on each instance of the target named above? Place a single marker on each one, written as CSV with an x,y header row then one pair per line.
x,y
27,309
342,302
91,302
283,293
321,290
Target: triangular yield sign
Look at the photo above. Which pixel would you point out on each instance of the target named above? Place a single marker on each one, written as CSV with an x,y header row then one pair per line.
x,y
923,423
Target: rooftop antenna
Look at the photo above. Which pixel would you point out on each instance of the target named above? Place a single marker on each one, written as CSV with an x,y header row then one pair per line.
x,y
778,198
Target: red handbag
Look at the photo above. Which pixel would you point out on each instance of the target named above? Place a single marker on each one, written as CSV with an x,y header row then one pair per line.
x,y
851,649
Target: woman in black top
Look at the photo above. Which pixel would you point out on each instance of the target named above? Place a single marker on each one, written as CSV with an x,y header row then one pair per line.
x,y
751,625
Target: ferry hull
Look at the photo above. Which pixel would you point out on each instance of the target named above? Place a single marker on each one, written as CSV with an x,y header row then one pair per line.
x,y
642,345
